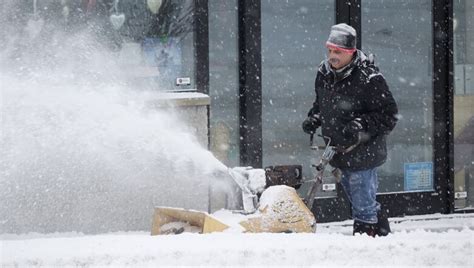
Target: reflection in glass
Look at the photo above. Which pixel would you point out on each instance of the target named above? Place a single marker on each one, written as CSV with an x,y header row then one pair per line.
x,y
223,81
463,24
399,34
161,31
293,44
153,39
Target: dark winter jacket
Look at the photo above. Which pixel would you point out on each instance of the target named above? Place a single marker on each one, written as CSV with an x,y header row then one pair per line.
x,y
357,91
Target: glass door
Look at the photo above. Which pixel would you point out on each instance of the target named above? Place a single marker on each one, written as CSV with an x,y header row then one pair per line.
x,y
463,24
224,81
399,34
293,45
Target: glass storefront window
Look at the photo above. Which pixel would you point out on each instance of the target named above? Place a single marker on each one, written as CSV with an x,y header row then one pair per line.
x,y
152,39
463,24
224,81
399,34
293,44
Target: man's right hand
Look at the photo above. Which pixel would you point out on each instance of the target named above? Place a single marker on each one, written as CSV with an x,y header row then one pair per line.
x,y
311,124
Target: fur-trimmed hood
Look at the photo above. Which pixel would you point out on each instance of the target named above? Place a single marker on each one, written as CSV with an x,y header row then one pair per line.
x,y
366,63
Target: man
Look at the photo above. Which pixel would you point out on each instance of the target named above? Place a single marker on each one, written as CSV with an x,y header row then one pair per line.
x,y
354,106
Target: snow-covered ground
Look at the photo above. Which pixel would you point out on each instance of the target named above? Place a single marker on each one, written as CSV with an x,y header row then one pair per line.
x,y
430,240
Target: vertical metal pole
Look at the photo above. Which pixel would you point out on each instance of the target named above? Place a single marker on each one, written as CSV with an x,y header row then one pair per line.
x,y
201,45
443,86
250,83
349,11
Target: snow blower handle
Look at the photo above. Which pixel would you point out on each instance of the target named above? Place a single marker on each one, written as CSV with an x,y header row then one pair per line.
x,y
327,155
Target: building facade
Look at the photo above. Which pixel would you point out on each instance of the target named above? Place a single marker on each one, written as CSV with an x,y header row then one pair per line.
x,y
257,61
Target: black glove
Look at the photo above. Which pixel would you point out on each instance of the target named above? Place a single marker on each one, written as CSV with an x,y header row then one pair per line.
x,y
353,128
311,124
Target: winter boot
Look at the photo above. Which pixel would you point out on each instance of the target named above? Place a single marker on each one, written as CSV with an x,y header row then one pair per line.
x,y
364,228
382,228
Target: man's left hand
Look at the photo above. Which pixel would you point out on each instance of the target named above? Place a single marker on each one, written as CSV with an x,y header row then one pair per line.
x,y
353,128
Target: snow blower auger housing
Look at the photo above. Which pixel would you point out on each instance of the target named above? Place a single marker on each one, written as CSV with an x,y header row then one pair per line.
x,y
167,220
275,209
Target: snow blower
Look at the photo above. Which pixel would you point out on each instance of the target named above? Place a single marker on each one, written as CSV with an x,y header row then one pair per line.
x,y
275,208
268,203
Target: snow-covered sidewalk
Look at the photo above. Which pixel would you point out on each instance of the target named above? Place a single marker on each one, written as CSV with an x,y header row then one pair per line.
x,y
432,240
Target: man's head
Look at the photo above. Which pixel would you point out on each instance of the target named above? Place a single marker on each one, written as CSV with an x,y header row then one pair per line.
x,y
341,45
